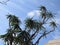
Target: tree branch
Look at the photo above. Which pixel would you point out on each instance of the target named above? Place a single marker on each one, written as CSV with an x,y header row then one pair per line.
x,y
42,36
4,2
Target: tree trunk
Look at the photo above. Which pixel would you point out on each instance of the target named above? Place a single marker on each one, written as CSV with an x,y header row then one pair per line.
x,y
7,42
10,43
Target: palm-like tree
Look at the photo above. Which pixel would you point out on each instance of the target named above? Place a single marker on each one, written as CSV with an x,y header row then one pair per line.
x,y
13,29
39,26
14,24
33,27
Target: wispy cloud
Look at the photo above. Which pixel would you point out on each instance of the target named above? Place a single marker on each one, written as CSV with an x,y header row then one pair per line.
x,y
14,6
3,20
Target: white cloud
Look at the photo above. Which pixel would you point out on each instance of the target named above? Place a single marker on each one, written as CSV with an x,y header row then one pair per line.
x,y
37,12
33,13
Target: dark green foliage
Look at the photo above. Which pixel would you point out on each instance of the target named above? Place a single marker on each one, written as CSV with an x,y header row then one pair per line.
x,y
43,8
53,24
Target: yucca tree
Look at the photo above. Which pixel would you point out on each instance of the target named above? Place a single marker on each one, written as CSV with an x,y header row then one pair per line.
x,y
13,29
39,26
14,23
33,27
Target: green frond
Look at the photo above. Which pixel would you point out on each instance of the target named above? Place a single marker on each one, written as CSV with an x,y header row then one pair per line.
x,y
9,16
30,23
49,15
3,36
43,8
53,24
43,12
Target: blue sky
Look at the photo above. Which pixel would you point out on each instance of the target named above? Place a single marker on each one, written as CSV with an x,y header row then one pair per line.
x,y
28,8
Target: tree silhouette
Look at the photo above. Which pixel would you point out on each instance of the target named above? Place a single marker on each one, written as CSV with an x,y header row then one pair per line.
x,y
15,35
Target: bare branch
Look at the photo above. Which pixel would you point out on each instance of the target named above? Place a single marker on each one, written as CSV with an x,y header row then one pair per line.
x,y
43,36
4,2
